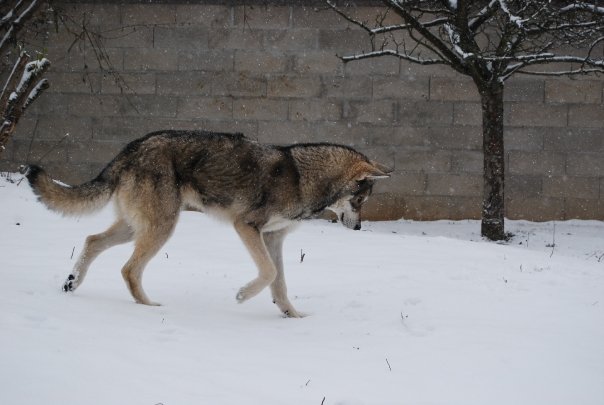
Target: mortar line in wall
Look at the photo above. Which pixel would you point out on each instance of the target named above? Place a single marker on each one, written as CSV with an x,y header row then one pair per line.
x,y
566,163
564,208
425,175
31,142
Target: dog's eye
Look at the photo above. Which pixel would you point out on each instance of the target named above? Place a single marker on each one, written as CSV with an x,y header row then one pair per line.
x,y
358,200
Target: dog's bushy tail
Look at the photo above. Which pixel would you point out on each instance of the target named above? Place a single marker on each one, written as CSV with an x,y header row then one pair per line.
x,y
68,200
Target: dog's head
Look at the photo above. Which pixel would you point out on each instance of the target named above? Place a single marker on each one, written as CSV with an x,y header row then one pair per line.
x,y
357,191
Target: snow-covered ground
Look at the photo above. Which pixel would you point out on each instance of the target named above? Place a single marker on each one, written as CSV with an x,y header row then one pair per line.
x,y
400,313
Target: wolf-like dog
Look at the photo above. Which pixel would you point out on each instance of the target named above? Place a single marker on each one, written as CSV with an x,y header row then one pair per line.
x,y
263,190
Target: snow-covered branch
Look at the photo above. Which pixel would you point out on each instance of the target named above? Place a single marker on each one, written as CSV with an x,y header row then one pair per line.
x,y
390,52
514,19
518,34
399,27
414,27
489,41
23,87
350,19
582,6
483,15
14,19
24,84
585,65
35,92
454,38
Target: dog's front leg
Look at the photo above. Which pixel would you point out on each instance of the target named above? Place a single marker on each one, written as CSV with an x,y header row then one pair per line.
x,y
274,244
267,272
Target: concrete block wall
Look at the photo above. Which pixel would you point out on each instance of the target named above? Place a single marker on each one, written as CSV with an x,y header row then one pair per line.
x,y
270,70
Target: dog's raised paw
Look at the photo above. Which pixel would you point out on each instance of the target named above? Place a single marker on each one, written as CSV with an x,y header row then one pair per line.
x,y
69,284
241,296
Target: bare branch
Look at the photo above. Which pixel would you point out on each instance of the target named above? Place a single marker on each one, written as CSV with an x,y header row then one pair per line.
x,y
348,18
425,32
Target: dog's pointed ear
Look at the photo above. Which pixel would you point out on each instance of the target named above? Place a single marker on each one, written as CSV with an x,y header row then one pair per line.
x,y
372,171
383,171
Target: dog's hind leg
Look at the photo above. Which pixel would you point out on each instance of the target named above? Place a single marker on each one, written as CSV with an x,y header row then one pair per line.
x,y
150,202
266,269
147,244
118,233
274,245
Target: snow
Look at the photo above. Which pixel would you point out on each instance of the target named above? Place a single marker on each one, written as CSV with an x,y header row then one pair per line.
x,y
399,313
35,92
31,69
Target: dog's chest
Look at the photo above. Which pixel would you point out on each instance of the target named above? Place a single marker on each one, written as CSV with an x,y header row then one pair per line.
x,y
276,223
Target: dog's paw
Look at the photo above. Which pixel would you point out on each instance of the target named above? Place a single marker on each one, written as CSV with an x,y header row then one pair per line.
x,y
292,313
150,303
70,284
241,295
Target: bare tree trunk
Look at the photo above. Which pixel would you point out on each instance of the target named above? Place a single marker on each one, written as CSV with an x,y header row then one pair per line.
x,y
493,210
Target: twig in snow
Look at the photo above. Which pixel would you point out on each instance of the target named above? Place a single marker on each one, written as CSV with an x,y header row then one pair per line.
x,y
553,244
72,251
302,254
322,402
387,362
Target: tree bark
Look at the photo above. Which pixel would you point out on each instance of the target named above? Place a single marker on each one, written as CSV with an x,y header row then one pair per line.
x,y
493,209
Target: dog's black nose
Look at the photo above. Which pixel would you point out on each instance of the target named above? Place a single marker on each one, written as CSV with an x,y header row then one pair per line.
x,y
357,227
